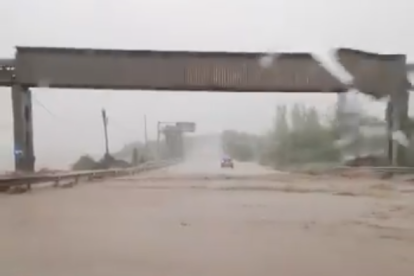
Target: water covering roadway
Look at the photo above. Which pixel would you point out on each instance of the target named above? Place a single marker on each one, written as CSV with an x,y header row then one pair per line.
x,y
198,219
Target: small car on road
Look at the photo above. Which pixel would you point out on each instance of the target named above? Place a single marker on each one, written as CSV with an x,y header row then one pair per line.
x,y
227,162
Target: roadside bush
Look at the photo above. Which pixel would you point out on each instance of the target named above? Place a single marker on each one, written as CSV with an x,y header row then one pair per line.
x,y
299,135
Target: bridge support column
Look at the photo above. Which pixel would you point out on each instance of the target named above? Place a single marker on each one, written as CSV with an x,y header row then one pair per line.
x,y
398,120
169,142
24,158
174,142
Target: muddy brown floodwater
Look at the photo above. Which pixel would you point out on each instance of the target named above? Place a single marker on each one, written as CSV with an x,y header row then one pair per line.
x,y
199,220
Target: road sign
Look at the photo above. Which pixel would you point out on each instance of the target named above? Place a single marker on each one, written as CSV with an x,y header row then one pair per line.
x,y
186,126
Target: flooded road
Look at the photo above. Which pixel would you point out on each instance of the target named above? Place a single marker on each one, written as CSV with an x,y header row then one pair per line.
x,y
190,220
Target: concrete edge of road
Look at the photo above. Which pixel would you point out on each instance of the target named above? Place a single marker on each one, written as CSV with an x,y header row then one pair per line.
x,y
23,183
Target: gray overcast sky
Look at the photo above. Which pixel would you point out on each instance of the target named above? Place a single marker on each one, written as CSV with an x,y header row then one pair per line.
x,y
260,25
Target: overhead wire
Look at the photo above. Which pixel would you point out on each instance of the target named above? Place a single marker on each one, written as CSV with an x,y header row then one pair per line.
x,y
51,113
36,100
55,116
111,121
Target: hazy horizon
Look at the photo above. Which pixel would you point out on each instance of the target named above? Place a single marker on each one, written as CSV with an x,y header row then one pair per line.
x,y
68,122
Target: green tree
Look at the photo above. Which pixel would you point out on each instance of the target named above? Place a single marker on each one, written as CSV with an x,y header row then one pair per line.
x,y
301,135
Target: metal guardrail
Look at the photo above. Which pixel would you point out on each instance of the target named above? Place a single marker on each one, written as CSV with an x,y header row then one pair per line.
x,y
26,180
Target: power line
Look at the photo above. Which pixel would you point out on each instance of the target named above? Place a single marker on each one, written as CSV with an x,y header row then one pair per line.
x,y
111,120
44,107
10,126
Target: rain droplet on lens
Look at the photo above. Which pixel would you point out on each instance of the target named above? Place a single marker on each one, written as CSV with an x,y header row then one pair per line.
x,y
266,61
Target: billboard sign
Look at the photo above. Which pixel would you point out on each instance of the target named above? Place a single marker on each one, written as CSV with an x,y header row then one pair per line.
x,y
186,126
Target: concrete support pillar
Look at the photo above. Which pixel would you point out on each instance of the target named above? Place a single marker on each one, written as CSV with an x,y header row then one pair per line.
x,y
23,129
180,145
169,142
174,142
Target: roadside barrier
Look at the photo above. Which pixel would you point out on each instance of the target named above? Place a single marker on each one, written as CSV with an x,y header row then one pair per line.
x,y
23,182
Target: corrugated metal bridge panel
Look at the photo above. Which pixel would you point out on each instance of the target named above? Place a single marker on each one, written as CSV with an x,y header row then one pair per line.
x,y
166,70
375,74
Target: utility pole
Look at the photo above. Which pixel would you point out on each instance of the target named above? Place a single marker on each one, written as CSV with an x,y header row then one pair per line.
x,y
145,132
159,131
158,140
146,151
105,125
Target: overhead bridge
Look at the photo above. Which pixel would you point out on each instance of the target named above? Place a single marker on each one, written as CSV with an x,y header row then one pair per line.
x,y
372,73
7,72
375,74
171,70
